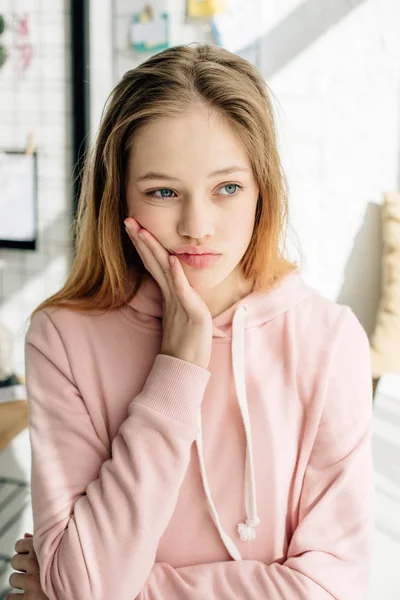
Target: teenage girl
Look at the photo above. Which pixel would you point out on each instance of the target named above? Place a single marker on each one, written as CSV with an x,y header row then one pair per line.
x,y
200,417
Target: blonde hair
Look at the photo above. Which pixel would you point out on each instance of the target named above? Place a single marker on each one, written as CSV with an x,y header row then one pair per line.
x,y
107,271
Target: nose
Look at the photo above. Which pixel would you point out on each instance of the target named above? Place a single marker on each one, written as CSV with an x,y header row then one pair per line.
x,y
196,219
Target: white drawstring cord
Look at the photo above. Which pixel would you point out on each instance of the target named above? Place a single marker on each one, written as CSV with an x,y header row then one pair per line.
x,y
246,530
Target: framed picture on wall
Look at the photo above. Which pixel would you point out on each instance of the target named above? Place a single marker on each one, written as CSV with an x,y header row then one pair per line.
x,y
18,199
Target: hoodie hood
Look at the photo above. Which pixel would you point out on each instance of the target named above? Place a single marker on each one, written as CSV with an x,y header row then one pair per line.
x,y
262,306
253,310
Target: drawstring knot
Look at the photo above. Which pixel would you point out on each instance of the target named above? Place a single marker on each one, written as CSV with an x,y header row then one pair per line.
x,y
247,530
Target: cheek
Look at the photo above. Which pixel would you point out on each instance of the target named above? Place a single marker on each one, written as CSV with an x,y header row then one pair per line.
x,y
241,225
145,215
159,225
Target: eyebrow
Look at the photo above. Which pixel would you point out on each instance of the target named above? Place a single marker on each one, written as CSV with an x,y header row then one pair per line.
x,y
225,171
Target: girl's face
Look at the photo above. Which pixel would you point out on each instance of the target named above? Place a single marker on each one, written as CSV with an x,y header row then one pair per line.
x,y
190,182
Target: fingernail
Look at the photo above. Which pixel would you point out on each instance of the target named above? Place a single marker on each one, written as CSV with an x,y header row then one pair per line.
x,y
128,225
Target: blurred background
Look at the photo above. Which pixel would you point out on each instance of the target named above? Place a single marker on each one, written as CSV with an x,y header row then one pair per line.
x,y
334,69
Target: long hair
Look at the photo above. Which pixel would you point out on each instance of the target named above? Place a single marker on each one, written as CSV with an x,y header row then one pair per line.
x,y
107,271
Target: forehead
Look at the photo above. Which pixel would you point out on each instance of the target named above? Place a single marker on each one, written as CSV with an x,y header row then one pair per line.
x,y
198,139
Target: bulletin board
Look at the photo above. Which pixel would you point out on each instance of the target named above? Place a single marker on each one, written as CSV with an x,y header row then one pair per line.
x,y
18,199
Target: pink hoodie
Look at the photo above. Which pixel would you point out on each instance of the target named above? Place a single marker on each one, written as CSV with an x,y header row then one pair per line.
x,y
158,479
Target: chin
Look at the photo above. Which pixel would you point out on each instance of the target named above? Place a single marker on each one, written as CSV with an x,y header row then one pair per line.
x,y
204,278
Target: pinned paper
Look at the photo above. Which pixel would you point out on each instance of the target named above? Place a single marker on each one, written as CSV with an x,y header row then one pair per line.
x,y
149,31
204,8
237,27
18,184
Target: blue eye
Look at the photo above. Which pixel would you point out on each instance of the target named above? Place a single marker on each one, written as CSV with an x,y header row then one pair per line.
x,y
231,188
161,190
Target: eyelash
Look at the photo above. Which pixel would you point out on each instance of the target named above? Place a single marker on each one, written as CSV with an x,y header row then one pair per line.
x,y
152,193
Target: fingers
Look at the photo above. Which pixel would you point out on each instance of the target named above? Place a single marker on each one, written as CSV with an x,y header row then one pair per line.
x,y
161,256
28,583
29,579
180,280
190,299
18,580
25,562
19,562
154,257
32,596
24,545
171,278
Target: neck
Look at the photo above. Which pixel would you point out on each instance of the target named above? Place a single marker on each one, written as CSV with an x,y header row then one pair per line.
x,y
222,296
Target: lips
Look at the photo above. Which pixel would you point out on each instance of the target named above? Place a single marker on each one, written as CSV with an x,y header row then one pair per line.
x,y
197,250
199,261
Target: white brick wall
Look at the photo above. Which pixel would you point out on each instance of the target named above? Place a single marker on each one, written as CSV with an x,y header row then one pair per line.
x,y
333,66
38,102
339,118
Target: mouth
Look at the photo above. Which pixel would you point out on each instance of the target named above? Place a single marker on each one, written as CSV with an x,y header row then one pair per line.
x,y
199,261
196,251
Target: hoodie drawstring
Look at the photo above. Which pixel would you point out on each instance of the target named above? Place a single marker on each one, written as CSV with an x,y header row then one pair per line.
x,y
246,530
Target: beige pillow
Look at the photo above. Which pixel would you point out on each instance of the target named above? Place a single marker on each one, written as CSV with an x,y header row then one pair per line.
x,y
13,419
6,345
385,341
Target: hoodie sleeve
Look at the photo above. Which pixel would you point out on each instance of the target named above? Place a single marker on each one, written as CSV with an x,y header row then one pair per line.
x,y
330,551
99,512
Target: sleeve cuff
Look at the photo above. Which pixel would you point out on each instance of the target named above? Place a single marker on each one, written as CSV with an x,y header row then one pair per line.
x,y
175,388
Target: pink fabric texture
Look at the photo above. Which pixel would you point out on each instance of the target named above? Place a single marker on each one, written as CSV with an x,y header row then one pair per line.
x,y
119,433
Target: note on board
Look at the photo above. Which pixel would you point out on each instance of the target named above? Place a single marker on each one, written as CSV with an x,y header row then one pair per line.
x,y
149,31
204,8
18,200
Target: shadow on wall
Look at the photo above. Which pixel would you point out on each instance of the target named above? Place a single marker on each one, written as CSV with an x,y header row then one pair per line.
x,y
386,430
298,30
53,242
365,267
